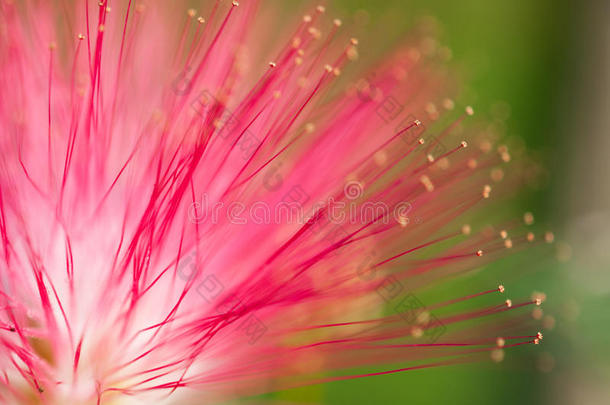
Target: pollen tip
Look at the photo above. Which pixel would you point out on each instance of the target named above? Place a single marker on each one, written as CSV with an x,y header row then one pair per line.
x,y
508,243
530,237
497,355
466,229
417,123
191,12
500,342
352,53
479,253
448,103
421,141
537,313
497,174
337,22
509,303
539,335
235,3
307,18
430,158
501,288
354,41
536,341
444,163
81,37
464,144
201,20
427,183
538,297
315,33
272,64
503,234
310,127
549,237
320,9
469,110
417,332
486,191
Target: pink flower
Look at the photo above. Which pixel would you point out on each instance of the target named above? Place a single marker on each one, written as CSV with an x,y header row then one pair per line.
x,y
181,218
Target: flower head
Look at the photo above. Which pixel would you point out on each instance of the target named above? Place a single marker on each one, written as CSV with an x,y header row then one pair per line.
x,y
181,214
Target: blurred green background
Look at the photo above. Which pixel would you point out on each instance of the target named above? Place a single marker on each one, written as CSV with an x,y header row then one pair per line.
x,y
548,61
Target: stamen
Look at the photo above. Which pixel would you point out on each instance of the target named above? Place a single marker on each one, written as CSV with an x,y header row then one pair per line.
x,y
497,355
497,174
425,180
448,104
486,191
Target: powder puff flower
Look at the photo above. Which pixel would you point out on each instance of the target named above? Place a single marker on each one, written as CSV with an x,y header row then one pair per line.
x,y
199,205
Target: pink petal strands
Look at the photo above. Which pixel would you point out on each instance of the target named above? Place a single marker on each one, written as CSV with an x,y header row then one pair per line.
x,y
183,215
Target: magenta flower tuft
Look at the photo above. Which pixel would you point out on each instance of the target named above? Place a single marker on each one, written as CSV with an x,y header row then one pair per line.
x,y
184,217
